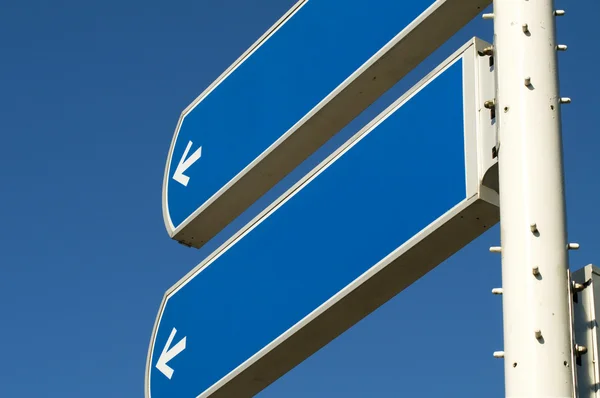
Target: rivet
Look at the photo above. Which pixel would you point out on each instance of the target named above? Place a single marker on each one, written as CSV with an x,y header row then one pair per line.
x,y
496,249
488,50
561,47
488,16
525,28
565,100
497,291
573,246
578,287
559,13
498,354
528,81
580,349
535,270
538,334
533,228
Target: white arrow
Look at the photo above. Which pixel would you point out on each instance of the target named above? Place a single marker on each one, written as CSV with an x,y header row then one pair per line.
x,y
185,164
168,354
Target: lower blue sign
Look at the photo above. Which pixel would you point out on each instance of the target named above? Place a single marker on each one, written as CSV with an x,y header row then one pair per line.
x,y
257,293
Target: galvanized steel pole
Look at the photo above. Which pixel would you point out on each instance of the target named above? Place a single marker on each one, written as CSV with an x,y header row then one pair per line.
x,y
538,347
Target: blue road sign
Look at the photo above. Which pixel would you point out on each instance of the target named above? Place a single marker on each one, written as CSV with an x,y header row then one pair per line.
x,y
315,70
392,203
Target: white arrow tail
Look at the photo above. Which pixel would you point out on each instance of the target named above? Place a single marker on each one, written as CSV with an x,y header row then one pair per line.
x,y
185,163
169,353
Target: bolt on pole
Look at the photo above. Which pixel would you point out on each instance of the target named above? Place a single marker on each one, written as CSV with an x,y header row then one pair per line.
x,y
538,348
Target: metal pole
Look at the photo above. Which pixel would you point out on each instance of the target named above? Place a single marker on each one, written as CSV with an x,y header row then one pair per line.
x,y
537,336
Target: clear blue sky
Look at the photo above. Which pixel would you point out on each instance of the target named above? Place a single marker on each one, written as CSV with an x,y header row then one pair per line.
x,y
90,95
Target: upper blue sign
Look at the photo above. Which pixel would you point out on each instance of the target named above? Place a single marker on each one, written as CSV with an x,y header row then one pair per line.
x,y
311,74
319,259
